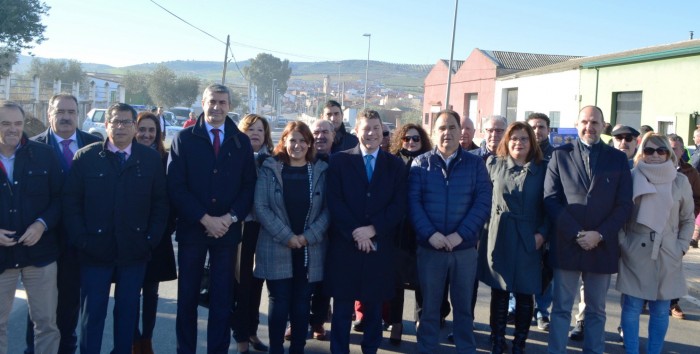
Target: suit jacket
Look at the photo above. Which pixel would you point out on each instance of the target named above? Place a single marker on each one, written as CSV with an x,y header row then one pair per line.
x,y
573,205
353,201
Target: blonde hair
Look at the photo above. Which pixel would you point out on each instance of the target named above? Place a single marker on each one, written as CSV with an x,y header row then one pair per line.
x,y
658,140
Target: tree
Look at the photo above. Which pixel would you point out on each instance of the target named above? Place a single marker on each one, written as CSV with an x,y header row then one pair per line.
x,y
160,86
68,71
136,85
186,90
20,25
263,69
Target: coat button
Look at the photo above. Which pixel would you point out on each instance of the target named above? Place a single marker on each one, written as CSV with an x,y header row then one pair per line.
x,y
644,244
99,230
369,194
213,200
138,229
215,170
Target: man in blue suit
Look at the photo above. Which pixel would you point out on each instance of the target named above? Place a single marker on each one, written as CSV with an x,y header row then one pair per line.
x,y
588,197
366,200
211,181
65,138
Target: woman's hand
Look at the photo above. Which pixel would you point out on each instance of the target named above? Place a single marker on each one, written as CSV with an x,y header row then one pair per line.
x,y
539,240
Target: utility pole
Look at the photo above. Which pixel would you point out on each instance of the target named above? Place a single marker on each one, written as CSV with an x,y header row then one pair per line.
x,y
452,51
228,43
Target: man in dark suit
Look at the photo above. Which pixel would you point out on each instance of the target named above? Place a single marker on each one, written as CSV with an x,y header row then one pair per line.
x,y
65,138
211,181
588,197
342,139
163,122
367,201
115,208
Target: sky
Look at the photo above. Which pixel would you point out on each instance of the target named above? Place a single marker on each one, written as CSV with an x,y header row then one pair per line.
x,y
128,32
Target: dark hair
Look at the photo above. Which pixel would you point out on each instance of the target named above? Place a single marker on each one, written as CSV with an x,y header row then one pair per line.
x,y
58,96
249,119
121,107
449,112
645,129
534,154
397,144
676,138
333,103
12,105
159,134
539,116
600,111
367,114
295,126
217,88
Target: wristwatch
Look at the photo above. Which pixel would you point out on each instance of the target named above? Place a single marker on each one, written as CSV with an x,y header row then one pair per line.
x,y
234,218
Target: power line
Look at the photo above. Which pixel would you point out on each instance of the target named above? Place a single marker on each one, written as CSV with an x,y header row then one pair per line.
x,y
191,25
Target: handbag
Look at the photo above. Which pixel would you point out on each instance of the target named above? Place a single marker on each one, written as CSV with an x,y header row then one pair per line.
x,y
204,286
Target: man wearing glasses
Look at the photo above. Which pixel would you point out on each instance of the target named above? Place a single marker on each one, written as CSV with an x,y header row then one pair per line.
x,y
115,208
494,128
625,140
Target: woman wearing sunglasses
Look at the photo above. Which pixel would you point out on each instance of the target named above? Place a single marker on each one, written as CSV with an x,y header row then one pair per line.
x,y
654,241
410,141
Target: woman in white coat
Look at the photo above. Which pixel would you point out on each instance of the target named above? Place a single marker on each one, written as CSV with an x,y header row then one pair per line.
x,y
654,241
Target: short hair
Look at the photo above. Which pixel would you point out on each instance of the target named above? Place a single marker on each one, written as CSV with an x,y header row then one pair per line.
x,y
537,115
217,88
496,118
333,103
251,118
660,141
451,113
534,154
121,107
12,105
295,126
600,111
397,143
61,95
676,138
318,122
159,134
367,114
645,129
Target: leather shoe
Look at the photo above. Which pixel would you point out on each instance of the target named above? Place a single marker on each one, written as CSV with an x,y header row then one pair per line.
x,y
451,337
577,333
676,312
396,331
694,243
258,345
319,333
288,333
358,326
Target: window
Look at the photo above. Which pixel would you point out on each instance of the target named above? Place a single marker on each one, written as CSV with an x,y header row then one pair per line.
x,y
527,114
472,109
627,108
511,104
554,119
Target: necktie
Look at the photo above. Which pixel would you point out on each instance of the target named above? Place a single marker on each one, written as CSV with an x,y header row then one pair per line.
x,y
368,166
67,153
217,141
122,157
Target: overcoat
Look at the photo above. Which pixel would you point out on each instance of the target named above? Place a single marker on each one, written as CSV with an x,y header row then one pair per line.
x,y
353,201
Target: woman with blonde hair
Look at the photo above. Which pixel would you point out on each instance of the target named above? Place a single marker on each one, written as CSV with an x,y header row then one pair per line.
x,y
654,241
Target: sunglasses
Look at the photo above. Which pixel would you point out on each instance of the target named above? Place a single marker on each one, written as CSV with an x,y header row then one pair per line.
x,y
385,133
626,138
662,151
415,138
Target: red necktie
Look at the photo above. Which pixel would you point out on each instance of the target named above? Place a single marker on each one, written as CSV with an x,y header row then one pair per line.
x,y
217,141
2,167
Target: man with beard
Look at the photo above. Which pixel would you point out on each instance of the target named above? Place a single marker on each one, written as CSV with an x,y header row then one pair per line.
x,y
324,135
540,124
343,140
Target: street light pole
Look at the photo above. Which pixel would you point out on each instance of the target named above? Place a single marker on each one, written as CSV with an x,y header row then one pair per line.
x,y
272,104
369,42
452,51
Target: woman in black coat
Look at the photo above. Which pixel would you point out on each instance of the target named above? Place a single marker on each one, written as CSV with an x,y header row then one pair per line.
x,y
161,267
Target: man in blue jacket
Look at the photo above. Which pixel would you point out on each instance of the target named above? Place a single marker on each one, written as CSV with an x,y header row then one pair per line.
x,y
211,181
30,190
449,196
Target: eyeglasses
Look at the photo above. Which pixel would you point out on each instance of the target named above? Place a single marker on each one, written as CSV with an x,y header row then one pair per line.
x,y
627,138
661,151
495,131
415,138
123,122
385,134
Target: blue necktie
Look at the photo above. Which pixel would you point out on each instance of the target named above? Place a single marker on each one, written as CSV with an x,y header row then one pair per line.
x,y
122,157
368,166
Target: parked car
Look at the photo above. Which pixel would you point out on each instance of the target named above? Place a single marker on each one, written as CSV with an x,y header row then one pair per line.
x,y
181,114
170,133
95,123
281,122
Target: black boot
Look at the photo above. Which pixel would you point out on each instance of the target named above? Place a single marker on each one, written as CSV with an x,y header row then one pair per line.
x,y
498,320
524,306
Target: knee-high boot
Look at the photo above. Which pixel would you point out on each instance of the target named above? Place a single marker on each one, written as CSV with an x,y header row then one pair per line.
x,y
524,304
498,320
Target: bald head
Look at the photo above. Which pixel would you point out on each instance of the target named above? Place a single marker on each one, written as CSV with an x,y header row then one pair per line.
x,y
467,137
324,133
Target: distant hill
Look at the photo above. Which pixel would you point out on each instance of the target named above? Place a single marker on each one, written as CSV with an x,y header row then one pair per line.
x,y
408,77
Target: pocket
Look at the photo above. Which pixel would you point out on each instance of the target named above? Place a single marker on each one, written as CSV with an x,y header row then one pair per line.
x,y
37,182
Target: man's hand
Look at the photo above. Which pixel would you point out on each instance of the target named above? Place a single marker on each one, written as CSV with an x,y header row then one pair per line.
x,y
294,243
6,239
588,240
302,240
363,233
33,234
539,240
216,226
365,246
438,241
453,240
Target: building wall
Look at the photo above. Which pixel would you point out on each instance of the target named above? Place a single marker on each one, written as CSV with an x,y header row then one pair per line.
x,y
545,93
670,90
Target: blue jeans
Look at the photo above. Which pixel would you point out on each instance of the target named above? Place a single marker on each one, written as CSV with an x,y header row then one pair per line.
x,y
289,298
95,282
658,323
542,302
433,269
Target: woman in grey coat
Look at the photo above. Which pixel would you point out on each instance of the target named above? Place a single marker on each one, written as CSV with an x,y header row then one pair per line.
x,y
290,206
510,256
654,241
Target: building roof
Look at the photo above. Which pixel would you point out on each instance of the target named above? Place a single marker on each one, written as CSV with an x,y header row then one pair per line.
x,y
456,64
524,61
684,48
105,76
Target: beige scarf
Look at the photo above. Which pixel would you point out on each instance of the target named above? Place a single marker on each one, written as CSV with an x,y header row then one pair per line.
x,y
652,184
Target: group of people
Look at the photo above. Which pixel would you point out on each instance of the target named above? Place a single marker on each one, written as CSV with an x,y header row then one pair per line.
x,y
327,214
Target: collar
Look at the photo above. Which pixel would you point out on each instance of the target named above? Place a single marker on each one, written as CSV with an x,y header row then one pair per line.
x,y
365,153
73,137
111,147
